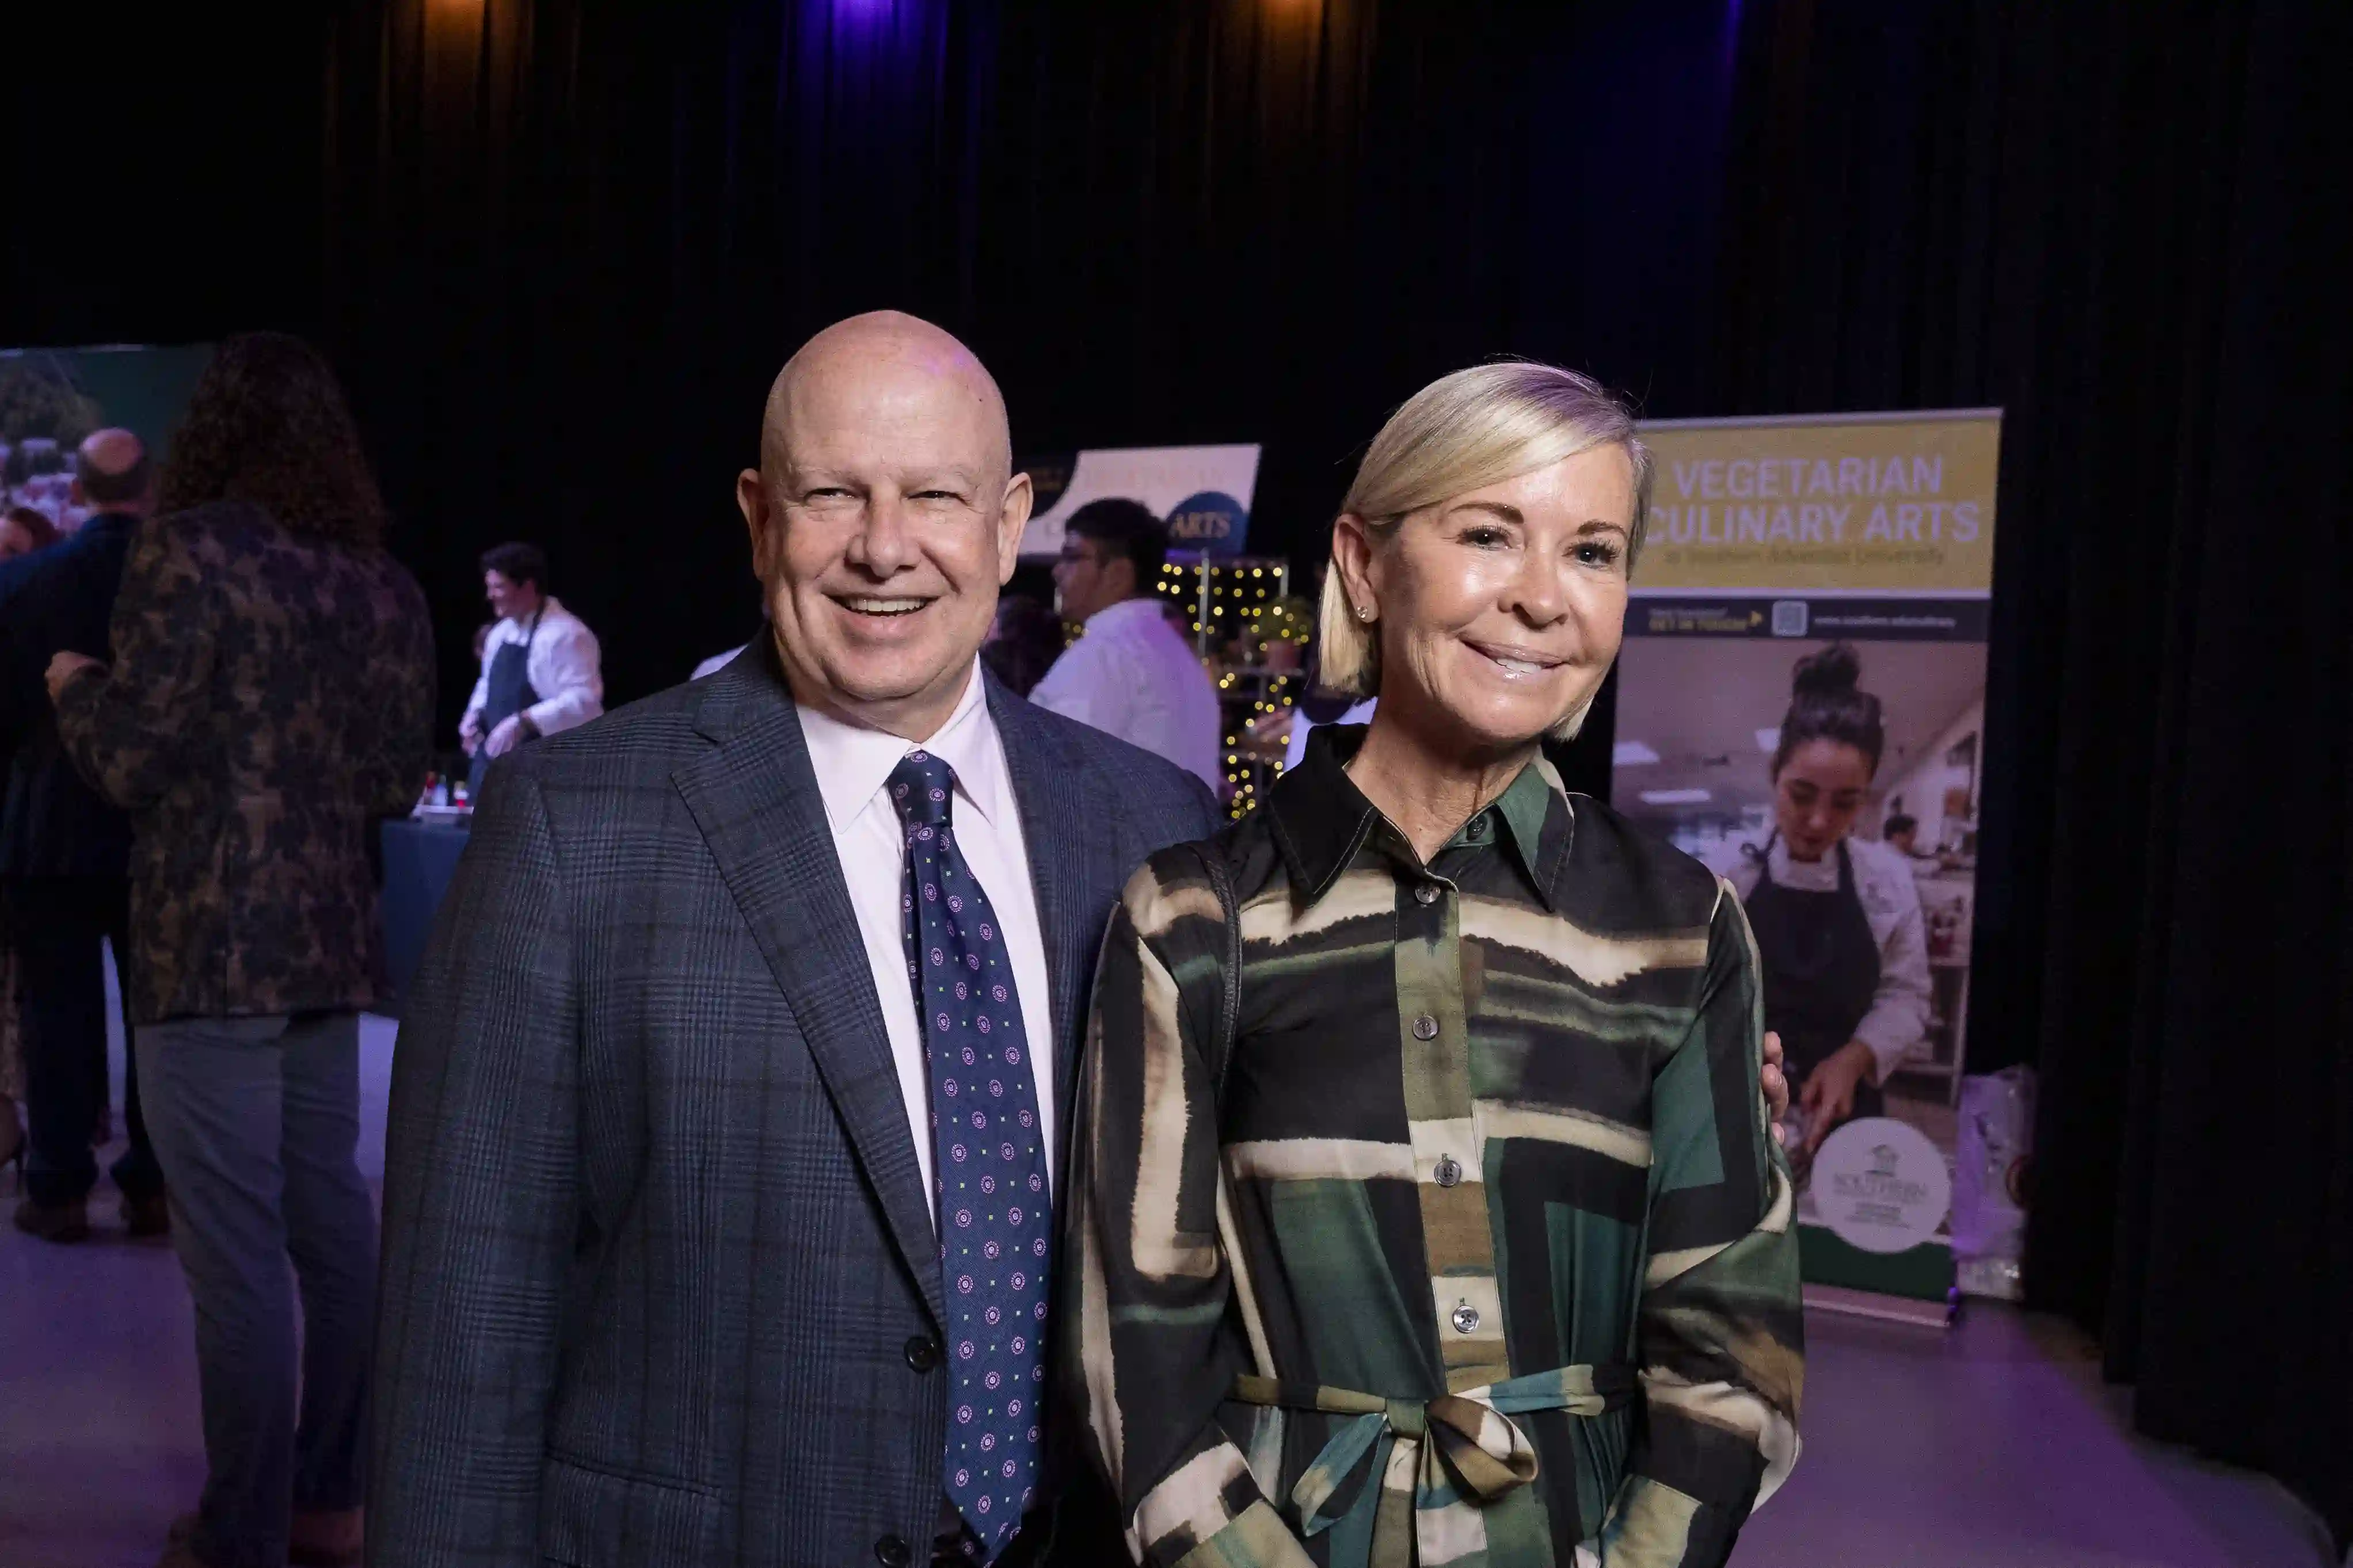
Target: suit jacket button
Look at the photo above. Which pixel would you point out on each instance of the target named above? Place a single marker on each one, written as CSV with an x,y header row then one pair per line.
x,y
891,1553
923,1353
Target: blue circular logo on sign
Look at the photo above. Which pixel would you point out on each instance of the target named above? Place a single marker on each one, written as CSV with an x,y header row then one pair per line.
x,y
1209,520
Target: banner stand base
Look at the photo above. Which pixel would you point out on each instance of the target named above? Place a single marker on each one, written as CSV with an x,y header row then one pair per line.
x,y
1886,1308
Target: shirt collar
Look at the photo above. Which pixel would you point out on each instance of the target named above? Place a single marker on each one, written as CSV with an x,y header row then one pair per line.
x,y
1537,814
853,763
551,608
1321,819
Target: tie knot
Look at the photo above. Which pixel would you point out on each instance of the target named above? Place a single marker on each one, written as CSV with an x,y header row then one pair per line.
x,y
921,787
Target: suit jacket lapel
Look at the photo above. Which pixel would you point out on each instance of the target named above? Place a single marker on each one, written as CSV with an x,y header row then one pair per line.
x,y
756,802
1066,828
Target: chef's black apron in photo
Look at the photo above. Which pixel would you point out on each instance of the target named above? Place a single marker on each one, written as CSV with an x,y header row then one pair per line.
x,y
1821,969
509,693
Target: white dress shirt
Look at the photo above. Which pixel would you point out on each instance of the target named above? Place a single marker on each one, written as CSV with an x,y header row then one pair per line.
x,y
1134,676
562,663
1898,1021
853,765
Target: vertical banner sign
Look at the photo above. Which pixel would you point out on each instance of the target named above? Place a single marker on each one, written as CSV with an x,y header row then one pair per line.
x,y
1813,591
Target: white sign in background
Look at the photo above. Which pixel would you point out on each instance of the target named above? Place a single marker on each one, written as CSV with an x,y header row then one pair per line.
x,y
1159,477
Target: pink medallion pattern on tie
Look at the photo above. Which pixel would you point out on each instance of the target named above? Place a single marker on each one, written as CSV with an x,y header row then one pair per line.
x,y
971,1032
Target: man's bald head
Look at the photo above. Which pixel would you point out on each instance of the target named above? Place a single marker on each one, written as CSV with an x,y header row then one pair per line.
x,y
111,472
885,516
895,362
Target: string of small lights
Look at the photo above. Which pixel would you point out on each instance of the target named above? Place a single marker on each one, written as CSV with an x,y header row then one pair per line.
x,y
1250,633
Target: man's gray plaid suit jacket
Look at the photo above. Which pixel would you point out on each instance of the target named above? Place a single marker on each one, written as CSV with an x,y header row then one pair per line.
x,y
659,1276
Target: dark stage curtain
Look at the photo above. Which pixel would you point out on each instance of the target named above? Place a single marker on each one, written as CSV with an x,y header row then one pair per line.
x,y
559,249
2123,224
162,169
568,246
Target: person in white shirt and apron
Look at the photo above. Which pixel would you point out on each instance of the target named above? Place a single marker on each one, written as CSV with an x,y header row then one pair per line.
x,y
1840,935
541,671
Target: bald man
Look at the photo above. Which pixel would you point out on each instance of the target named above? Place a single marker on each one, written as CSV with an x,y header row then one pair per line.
x,y
65,856
703,1241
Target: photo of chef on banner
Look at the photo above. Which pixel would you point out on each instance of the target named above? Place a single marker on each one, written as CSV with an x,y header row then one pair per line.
x,y
1834,784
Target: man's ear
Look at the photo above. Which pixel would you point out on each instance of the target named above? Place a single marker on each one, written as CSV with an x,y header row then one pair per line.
x,y
1013,520
752,500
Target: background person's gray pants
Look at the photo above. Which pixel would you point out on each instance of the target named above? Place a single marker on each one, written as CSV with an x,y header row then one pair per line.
x,y
255,1121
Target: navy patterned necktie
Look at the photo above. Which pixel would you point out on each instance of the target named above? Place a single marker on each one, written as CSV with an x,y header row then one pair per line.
x,y
989,1161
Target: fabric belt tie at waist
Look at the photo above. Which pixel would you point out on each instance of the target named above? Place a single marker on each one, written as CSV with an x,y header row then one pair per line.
x,y
1468,1450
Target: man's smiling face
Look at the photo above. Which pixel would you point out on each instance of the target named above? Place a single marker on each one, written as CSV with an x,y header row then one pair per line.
x,y
884,520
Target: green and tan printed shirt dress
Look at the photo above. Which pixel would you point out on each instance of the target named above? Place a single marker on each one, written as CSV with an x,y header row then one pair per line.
x,y
1476,1248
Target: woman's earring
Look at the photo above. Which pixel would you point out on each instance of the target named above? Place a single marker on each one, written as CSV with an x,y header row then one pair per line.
x,y
1365,612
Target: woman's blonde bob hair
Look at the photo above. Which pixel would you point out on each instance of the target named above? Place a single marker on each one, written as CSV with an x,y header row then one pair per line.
x,y
1475,427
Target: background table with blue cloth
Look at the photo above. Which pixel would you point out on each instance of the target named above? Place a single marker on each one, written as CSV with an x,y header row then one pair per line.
x,y
419,859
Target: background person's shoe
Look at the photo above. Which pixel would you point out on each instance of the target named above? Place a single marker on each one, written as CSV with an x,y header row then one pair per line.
x,y
314,1541
147,1215
327,1539
59,1222
12,1141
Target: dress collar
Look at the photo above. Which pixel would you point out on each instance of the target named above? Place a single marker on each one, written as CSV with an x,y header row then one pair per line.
x,y
1321,819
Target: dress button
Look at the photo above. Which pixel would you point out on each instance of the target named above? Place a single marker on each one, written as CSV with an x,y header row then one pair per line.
x,y
1466,1319
1427,893
1448,1172
893,1552
923,1353
1425,1028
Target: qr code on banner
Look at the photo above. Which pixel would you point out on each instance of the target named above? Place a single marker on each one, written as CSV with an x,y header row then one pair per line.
x,y
1788,617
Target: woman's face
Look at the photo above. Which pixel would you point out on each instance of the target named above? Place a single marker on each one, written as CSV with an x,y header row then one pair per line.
x,y
1498,611
1820,788
15,539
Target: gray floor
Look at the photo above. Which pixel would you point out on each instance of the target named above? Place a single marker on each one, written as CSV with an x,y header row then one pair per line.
x,y
1992,1445
1995,1444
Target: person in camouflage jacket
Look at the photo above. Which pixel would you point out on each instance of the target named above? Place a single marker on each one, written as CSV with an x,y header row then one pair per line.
x,y
270,700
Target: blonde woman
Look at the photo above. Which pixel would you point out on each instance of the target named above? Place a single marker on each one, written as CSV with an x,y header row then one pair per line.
x,y
1423,1208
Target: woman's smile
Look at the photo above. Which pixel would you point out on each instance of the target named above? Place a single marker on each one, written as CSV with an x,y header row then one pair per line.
x,y
1512,661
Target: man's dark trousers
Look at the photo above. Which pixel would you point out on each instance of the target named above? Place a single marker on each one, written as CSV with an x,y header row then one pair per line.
x,y
56,925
